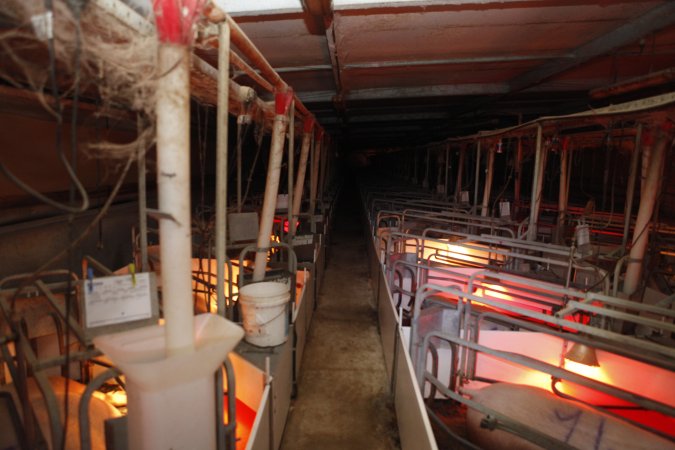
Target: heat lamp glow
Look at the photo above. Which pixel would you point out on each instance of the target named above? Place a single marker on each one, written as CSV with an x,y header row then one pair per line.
x,y
493,291
205,270
594,372
117,398
457,253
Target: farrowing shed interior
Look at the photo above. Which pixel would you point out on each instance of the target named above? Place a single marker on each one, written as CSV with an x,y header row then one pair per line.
x,y
411,224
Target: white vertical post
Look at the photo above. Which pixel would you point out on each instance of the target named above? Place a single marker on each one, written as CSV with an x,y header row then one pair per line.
x,y
221,160
282,104
519,178
314,178
302,170
460,170
562,190
648,198
632,177
488,181
535,201
291,174
425,182
173,182
446,188
142,205
475,188
322,170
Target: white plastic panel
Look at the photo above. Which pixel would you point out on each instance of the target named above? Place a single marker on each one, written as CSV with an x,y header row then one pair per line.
x,y
388,324
260,432
414,428
248,6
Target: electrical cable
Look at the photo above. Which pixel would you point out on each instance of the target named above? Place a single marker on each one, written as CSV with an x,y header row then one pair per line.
x,y
103,211
59,113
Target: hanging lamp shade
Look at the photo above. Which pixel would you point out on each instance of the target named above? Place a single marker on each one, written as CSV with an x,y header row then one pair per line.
x,y
582,354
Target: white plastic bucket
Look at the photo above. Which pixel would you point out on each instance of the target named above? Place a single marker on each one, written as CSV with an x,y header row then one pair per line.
x,y
263,309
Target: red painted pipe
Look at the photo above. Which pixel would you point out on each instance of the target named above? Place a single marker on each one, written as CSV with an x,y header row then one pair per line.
x,y
249,50
175,18
634,84
248,70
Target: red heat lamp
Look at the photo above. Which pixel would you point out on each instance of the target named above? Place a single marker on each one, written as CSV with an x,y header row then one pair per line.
x,y
278,220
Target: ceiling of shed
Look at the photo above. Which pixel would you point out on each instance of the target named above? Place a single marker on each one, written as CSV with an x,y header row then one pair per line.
x,y
392,73
383,74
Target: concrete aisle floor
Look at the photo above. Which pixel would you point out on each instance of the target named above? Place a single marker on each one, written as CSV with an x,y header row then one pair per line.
x,y
342,400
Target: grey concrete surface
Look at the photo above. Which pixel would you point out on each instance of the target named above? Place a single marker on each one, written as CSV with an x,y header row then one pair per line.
x,y
342,399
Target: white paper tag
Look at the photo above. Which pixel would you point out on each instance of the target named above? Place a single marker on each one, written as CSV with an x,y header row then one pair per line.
x,y
303,240
282,201
504,209
43,25
117,299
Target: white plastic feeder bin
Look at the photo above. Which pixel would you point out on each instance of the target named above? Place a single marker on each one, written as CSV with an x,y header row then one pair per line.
x,y
171,398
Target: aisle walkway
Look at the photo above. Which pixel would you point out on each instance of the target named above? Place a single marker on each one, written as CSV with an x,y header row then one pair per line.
x,y
342,400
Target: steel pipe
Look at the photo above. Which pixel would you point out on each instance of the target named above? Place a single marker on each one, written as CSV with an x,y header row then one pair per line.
x,y
270,78
240,64
634,84
249,50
